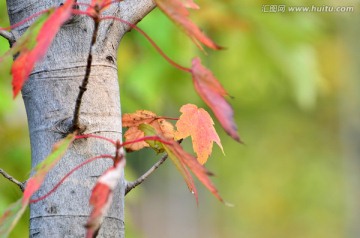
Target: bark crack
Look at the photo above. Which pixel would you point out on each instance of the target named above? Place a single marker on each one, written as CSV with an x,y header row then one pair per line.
x,y
76,121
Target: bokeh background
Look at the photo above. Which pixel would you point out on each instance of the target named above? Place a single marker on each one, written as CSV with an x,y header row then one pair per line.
x,y
294,78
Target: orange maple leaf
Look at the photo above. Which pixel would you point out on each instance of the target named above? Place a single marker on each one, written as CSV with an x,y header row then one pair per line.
x,y
197,123
137,118
133,133
133,120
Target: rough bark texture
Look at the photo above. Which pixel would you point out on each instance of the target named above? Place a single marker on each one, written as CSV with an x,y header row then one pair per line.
x,y
49,96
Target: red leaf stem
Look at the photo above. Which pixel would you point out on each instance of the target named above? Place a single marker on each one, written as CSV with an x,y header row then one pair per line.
x,y
25,20
68,174
145,138
85,136
109,3
173,63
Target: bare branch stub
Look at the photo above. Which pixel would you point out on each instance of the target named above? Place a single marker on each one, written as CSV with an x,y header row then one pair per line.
x,y
8,35
12,179
142,178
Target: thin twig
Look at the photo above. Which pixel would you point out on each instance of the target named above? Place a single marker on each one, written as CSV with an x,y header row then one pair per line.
x,y
83,87
131,185
8,35
12,179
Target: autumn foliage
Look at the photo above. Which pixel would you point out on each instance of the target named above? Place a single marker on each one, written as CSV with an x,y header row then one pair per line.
x,y
144,128
177,11
197,123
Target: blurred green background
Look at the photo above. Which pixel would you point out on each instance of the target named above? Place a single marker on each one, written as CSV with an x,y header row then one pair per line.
x,y
295,91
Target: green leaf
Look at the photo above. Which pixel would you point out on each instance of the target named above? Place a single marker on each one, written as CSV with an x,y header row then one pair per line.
x,y
10,217
150,131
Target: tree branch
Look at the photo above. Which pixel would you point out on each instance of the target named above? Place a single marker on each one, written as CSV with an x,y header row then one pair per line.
x,y
8,35
12,179
131,185
135,10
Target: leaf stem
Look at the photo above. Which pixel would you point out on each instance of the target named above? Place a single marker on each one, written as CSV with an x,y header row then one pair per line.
x,y
161,52
83,87
68,174
168,118
137,182
158,49
109,3
25,20
145,138
12,179
95,136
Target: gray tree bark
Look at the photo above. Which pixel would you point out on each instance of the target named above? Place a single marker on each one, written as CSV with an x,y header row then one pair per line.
x,y
349,102
49,97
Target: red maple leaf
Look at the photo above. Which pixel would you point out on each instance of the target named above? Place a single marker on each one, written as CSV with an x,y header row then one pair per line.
x,y
101,195
25,62
190,4
213,94
177,12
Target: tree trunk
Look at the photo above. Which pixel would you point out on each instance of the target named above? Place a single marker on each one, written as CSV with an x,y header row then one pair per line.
x,y
350,124
49,96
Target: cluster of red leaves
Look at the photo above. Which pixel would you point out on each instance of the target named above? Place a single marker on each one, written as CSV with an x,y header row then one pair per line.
x,y
146,129
194,122
34,44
